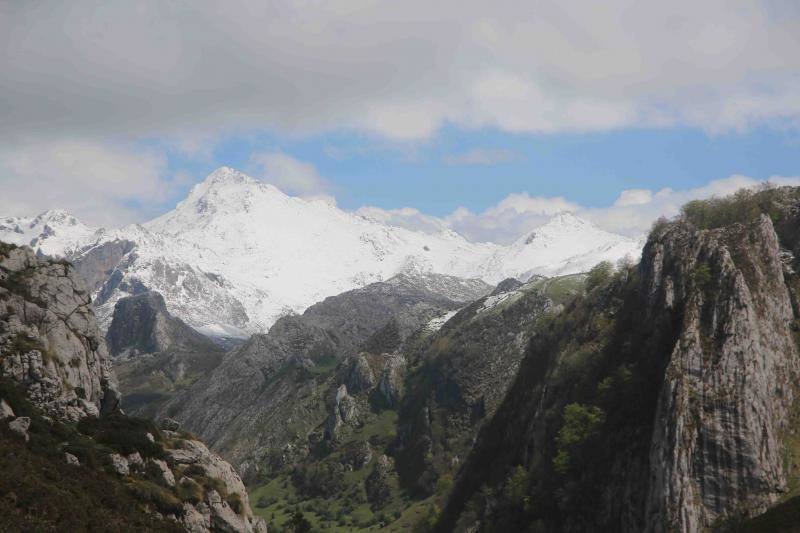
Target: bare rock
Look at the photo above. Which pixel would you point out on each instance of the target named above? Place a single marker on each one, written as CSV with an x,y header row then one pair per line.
x,y
135,461
357,455
170,424
20,426
391,383
343,410
196,518
49,338
159,470
216,510
71,459
120,464
729,405
359,377
6,411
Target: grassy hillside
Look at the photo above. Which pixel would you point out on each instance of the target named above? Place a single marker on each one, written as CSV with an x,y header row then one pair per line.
x,y
39,491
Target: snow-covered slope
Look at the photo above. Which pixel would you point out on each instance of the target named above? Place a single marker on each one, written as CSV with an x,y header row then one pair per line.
x,y
237,253
565,245
53,232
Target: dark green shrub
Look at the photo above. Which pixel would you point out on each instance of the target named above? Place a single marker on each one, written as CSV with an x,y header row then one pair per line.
x,y
264,502
5,248
123,434
744,206
212,483
599,274
164,500
235,501
189,490
580,423
298,523
702,275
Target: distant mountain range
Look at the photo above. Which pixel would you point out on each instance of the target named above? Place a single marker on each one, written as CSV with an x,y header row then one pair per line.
x,y
237,253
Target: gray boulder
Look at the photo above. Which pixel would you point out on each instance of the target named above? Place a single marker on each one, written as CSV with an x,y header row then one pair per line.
x,y
20,426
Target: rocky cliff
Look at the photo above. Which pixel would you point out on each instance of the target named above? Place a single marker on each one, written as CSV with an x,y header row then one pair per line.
x,y
155,354
63,437
49,339
142,325
663,400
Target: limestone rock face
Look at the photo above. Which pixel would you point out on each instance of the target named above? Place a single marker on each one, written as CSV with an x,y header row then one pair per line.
x,y
49,339
698,346
716,447
155,354
343,410
142,325
391,383
357,455
360,377
120,464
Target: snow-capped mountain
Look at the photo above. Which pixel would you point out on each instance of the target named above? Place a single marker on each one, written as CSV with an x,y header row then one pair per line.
x,y
564,245
237,253
53,232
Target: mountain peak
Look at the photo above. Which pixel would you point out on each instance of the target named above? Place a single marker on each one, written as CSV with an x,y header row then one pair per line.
x,y
58,216
229,176
561,222
567,219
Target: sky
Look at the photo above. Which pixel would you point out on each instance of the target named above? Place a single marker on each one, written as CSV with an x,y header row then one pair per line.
x,y
484,118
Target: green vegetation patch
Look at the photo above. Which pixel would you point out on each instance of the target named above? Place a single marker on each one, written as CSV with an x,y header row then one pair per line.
x,y
123,434
39,491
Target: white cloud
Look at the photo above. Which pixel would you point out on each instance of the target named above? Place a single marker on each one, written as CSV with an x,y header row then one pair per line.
x,y
510,218
634,197
481,156
504,222
632,214
400,70
405,217
290,175
103,184
635,210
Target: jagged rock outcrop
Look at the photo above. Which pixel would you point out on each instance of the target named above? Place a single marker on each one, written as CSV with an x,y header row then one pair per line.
x,y
662,401
507,285
226,507
156,354
379,376
49,340
359,375
142,325
343,410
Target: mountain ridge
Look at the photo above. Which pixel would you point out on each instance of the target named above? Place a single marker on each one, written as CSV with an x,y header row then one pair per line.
x,y
237,254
